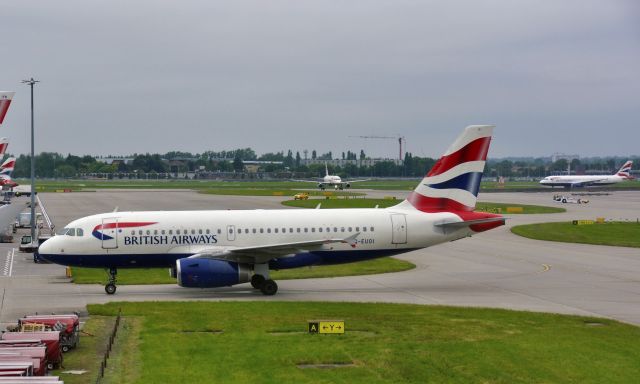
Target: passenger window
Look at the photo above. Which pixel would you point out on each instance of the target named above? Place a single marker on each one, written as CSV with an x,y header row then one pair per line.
x,y
328,229
239,230
298,230
364,229
320,229
155,231
342,229
268,230
140,232
290,230
79,232
284,230
254,230
207,231
350,229
335,229
275,230
171,231
371,229
313,230
230,230
133,233
357,229
219,231
261,230
193,231
200,231
306,230
246,230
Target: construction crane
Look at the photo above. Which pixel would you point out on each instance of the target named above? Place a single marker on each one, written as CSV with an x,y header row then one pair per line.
x,y
399,138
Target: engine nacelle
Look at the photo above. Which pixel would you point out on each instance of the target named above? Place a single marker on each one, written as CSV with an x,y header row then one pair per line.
x,y
347,185
210,273
320,185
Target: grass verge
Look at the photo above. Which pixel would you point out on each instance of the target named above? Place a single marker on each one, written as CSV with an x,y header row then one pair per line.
x,y
247,342
615,233
526,209
161,275
88,354
341,203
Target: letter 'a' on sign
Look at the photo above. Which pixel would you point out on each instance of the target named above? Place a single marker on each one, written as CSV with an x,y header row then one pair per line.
x,y
313,327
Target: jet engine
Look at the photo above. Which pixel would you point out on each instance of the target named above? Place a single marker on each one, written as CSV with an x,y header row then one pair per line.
x,y
347,185
210,273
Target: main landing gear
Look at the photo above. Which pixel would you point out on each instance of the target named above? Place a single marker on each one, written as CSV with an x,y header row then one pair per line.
x,y
267,286
110,288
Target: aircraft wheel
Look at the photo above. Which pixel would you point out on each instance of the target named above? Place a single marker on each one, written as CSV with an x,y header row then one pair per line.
x,y
269,288
257,281
110,289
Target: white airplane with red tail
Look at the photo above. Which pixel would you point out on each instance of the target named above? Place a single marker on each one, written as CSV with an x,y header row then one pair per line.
x,y
223,248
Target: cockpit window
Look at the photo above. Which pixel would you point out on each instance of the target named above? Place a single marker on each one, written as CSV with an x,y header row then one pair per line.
x,y
70,232
63,231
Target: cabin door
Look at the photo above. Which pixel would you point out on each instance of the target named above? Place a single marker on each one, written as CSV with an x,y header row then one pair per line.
x,y
108,233
399,231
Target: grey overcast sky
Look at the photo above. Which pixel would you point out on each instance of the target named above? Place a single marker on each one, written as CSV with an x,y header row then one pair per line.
x,y
120,77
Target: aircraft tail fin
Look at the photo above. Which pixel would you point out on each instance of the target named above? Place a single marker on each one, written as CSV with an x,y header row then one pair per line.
x,y
326,169
454,181
6,169
4,143
5,101
625,170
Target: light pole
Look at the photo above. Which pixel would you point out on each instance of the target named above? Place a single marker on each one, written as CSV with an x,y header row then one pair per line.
x,y
31,82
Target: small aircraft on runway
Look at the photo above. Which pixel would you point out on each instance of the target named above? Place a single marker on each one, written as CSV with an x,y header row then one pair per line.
x,y
569,182
331,181
6,169
206,249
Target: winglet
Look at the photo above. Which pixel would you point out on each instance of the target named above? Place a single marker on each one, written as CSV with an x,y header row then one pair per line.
x,y
318,206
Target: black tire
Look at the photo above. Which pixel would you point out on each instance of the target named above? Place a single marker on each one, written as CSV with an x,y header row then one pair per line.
x,y
50,366
110,289
269,288
257,281
65,348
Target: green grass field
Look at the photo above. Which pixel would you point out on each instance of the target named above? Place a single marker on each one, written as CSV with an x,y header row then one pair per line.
x,y
616,233
384,203
342,203
526,209
228,187
161,275
267,341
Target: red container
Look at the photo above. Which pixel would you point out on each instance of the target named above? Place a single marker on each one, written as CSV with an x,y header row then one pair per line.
x,y
51,339
68,325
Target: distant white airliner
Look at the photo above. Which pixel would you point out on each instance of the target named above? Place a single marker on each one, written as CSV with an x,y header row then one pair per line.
x,y
331,181
222,248
593,180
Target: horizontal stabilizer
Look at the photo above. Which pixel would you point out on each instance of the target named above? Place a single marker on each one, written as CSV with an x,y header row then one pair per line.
x,y
463,224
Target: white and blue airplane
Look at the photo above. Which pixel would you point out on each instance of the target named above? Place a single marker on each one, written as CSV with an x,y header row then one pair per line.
x,y
573,181
206,249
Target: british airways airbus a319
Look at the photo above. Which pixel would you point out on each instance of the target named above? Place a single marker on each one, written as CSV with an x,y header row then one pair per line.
x,y
207,249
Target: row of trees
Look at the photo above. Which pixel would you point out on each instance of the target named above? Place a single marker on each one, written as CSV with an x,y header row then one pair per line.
x,y
55,165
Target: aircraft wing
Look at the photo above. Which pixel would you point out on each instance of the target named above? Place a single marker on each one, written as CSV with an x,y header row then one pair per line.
x,y
307,181
586,183
262,254
356,181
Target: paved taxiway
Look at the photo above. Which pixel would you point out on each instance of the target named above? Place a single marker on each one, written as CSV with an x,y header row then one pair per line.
x,y
492,269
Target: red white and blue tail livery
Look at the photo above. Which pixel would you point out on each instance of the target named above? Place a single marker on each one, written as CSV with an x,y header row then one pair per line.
x,y
206,249
5,102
